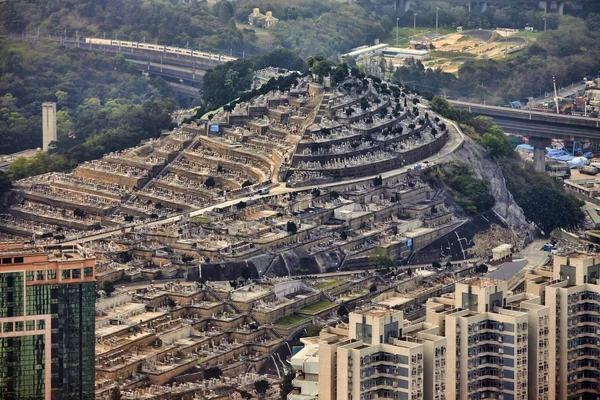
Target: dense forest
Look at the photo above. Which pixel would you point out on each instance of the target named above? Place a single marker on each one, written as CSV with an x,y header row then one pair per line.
x,y
327,27
103,103
168,22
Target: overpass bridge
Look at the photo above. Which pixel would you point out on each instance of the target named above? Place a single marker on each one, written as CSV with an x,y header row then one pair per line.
x,y
540,127
183,74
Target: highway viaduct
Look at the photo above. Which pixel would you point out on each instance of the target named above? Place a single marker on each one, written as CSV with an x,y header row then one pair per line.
x,y
540,127
548,6
183,73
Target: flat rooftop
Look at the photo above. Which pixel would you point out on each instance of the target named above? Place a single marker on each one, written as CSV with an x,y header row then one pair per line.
x,y
394,301
377,312
482,282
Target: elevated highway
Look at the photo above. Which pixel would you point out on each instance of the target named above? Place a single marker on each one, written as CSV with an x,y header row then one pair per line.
x,y
540,127
538,124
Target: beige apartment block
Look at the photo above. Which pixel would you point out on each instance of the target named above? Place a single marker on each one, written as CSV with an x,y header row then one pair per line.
x,y
573,296
480,342
489,339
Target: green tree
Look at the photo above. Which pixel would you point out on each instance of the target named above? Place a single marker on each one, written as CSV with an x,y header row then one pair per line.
x,y
373,288
340,73
108,287
319,66
291,227
247,183
210,182
436,265
343,235
5,183
342,311
115,394
549,209
261,386
241,205
286,387
495,146
316,192
212,372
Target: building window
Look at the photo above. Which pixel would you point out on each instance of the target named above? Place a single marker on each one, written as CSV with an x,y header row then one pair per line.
x,y
40,275
51,274
88,271
30,275
19,326
41,324
8,327
66,274
76,274
18,260
7,260
30,325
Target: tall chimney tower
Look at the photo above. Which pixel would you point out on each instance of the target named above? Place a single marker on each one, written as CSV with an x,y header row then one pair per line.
x,y
48,124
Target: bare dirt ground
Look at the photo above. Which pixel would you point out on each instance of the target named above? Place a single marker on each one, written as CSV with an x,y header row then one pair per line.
x,y
456,48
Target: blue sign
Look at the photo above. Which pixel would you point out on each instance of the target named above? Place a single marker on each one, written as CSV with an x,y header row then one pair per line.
x,y
214,129
409,242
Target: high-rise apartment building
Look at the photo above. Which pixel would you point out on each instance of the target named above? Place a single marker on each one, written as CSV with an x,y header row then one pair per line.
x,y
46,324
482,342
572,293
372,357
490,342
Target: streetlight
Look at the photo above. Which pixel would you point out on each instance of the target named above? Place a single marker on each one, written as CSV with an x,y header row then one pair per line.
x,y
397,38
437,10
415,25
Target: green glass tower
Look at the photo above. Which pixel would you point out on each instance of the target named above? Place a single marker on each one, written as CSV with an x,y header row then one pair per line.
x,y
47,309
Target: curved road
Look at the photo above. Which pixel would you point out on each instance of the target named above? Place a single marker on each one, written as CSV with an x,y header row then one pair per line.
x,y
455,141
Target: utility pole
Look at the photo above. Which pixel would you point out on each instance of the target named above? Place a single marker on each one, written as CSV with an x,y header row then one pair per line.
x,y
544,24
437,11
506,43
397,32
527,33
415,24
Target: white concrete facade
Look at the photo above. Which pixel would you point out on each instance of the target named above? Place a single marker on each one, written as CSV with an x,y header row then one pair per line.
x,y
48,124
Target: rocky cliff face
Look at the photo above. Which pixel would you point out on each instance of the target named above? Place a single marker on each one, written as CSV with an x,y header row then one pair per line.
x,y
485,168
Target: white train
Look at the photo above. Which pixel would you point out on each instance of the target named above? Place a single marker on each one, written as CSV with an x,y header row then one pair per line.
x,y
156,47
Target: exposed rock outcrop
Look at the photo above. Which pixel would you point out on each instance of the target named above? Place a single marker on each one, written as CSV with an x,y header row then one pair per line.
x,y
485,168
